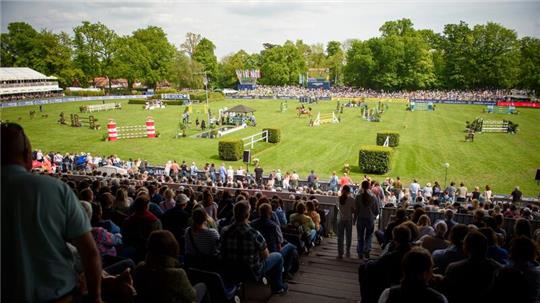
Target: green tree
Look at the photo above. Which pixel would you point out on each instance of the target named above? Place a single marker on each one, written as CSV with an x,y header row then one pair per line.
x,y
204,54
131,60
496,54
334,59
402,27
229,65
182,70
160,53
530,64
53,56
94,47
282,65
17,45
457,47
360,64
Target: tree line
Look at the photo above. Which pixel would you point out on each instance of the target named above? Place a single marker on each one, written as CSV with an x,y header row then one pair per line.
x,y
485,56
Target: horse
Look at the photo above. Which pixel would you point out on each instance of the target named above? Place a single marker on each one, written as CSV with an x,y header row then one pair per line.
x,y
300,111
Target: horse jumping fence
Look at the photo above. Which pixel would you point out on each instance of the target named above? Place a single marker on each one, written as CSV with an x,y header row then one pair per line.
x,y
147,130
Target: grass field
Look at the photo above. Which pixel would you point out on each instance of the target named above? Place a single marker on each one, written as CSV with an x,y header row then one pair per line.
x,y
428,139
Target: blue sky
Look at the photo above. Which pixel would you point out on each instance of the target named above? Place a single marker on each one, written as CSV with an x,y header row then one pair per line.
x,y
235,25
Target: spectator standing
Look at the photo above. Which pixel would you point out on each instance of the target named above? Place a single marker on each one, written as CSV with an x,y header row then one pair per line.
x,y
223,173
487,193
39,214
366,210
294,180
461,193
258,174
516,195
345,217
333,183
451,190
414,189
311,179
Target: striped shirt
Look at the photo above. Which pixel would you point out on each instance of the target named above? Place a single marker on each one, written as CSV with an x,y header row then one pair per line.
x,y
205,242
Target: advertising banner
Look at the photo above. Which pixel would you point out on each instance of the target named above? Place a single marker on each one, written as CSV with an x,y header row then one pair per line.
x,y
519,104
446,101
66,99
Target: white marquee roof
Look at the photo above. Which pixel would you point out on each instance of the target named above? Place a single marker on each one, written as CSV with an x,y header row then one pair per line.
x,y
21,73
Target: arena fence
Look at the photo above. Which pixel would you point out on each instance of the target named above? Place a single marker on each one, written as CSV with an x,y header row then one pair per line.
x,y
251,140
100,107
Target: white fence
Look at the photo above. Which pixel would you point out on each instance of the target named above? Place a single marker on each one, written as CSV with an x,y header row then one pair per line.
x,y
251,140
102,107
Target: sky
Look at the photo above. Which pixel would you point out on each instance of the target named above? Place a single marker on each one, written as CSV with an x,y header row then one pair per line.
x,y
235,25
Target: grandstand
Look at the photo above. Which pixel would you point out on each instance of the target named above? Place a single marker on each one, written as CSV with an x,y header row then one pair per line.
x,y
17,83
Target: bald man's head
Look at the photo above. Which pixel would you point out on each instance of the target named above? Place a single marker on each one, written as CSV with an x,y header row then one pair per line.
x,y
16,147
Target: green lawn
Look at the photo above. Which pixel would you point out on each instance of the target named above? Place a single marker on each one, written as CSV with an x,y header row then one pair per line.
x,y
428,139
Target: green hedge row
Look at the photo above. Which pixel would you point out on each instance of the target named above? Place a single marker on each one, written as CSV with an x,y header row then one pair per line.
x,y
84,93
167,102
274,134
230,149
201,96
374,159
393,138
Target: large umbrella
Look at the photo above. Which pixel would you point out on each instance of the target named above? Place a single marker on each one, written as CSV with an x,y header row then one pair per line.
x,y
240,109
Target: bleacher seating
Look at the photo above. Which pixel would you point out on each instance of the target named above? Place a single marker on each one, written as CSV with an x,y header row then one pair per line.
x,y
18,83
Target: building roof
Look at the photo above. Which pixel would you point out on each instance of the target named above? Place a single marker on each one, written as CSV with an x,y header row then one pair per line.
x,y
240,109
21,73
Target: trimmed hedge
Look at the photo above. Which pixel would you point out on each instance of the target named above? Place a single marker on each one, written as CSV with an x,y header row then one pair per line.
x,y
393,140
374,159
230,149
201,96
274,134
84,93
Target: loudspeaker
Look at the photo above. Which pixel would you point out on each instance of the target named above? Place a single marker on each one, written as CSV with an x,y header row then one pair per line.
x,y
537,175
246,157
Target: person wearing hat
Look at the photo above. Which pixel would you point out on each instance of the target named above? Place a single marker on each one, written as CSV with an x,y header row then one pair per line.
x,y
176,219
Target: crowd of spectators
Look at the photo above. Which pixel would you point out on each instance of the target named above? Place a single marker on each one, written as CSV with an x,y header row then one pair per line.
x,y
30,96
350,92
146,236
444,261
391,192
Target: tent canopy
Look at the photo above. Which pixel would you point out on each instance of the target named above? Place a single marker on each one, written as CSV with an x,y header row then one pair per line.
x,y
240,109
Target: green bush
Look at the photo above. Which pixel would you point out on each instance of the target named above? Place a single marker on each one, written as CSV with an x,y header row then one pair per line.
x,y
274,134
166,91
393,138
374,159
84,93
201,96
230,149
